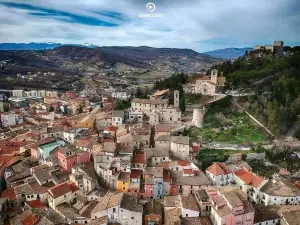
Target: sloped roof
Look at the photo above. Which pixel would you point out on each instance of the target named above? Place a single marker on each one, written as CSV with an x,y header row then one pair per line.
x,y
62,189
218,169
249,178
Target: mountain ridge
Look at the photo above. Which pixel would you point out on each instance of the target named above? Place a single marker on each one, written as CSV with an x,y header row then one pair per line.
x,y
82,58
228,53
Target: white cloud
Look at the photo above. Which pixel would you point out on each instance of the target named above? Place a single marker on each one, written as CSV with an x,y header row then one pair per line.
x,y
201,25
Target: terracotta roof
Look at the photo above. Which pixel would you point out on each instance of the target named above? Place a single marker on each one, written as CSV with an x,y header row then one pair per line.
x,y
183,163
87,209
139,158
9,193
135,174
108,201
188,171
163,127
30,220
218,169
111,128
62,189
249,178
14,160
196,148
35,204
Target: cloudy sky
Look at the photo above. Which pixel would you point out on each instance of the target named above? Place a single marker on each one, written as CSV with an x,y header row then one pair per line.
x,y
201,25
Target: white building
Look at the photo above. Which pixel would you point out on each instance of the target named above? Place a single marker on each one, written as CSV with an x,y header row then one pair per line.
x,y
249,183
51,94
33,93
18,93
206,85
189,206
136,115
117,117
131,212
41,93
156,156
180,146
279,191
123,95
168,115
220,174
148,105
108,206
64,192
8,119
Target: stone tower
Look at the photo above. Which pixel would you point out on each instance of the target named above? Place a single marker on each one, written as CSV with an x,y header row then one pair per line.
x,y
176,99
214,76
198,116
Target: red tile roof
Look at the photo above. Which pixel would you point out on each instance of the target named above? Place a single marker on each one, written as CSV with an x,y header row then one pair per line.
x,y
139,158
30,220
218,169
284,172
111,128
62,189
135,174
14,160
188,171
249,178
35,204
9,193
195,148
183,163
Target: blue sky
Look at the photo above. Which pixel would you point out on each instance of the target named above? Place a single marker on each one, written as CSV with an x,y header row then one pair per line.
x,y
201,25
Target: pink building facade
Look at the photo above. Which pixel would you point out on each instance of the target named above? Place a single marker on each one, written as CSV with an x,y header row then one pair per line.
x,y
67,158
231,208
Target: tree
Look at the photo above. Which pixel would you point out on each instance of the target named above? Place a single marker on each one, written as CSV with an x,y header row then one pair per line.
x,y
182,102
51,109
80,109
138,92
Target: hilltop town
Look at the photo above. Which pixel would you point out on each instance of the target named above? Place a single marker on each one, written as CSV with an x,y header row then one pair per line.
x,y
199,148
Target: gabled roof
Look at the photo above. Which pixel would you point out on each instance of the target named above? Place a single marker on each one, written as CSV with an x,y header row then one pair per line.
x,y
218,169
62,189
108,201
35,204
249,178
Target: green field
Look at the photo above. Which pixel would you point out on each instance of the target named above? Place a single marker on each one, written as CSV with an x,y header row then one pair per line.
x,y
228,125
207,156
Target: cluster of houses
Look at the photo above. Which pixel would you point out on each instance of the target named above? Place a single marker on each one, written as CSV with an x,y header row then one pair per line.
x,y
105,166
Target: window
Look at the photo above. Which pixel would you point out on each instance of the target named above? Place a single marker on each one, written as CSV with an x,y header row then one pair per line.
x,y
186,215
132,218
114,210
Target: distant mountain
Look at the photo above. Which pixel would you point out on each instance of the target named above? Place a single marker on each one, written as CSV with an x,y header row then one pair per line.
x,y
77,58
228,53
28,46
